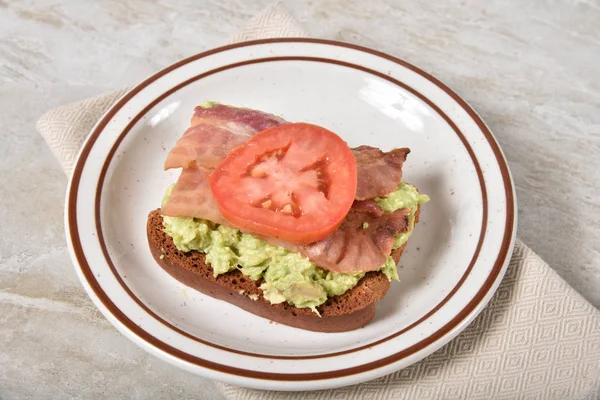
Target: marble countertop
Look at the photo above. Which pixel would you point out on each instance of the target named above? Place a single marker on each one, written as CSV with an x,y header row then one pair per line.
x,y
529,68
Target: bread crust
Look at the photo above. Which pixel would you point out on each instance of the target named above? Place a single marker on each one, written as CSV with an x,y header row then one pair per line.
x,y
352,310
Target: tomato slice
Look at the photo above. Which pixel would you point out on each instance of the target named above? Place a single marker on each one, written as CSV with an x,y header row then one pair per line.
x,y
295,182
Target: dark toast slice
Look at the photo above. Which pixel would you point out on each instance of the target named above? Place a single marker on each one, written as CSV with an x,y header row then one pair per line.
x,y
352,310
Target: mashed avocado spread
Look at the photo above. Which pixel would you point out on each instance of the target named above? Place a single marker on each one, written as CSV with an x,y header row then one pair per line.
x,y
287,276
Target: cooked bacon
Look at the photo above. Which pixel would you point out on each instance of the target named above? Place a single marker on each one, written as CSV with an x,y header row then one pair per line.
x,y
379,173
203,145
191,197
215,131
245,118
368,206
362,243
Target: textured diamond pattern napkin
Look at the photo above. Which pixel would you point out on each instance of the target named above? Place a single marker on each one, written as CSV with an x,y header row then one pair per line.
x,y
537,339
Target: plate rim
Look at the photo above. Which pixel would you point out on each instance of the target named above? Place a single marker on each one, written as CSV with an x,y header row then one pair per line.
x,y
482,296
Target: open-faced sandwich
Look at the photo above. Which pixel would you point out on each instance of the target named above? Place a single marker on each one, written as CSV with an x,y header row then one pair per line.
x,y
283,220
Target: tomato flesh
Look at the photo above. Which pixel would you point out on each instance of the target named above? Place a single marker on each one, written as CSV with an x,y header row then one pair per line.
x,y
295,182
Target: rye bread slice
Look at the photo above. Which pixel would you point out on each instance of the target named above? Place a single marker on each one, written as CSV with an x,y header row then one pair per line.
x,y
352,310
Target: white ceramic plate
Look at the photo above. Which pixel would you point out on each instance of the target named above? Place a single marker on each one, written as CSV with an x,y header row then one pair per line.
x,y
452,266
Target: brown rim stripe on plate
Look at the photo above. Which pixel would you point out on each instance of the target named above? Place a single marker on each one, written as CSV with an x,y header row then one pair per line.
x,y
509,226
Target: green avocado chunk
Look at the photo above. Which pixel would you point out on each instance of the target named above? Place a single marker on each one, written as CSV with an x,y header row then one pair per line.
x,y
405,196
287,276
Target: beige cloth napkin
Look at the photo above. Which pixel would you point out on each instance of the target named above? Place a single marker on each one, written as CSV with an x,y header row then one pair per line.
x,y
537,338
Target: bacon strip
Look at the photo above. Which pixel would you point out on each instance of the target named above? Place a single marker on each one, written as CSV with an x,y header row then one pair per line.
x,y
363,241
191,197
244,118
379,173
215,131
